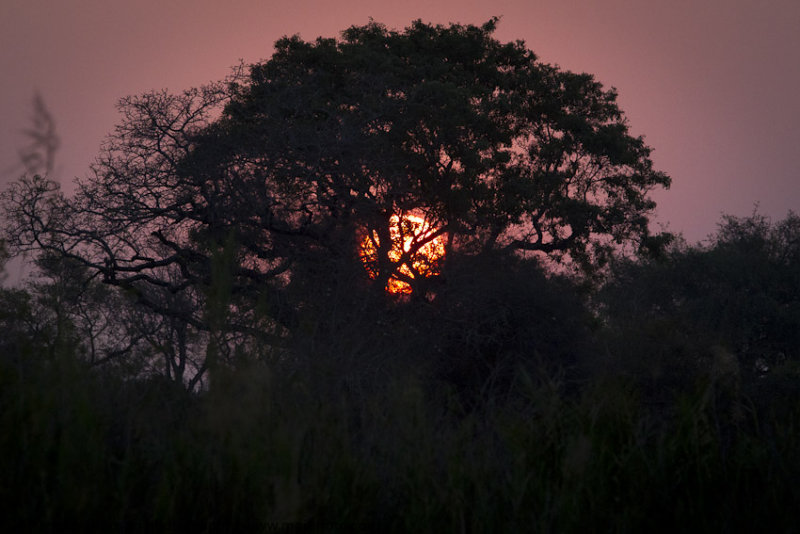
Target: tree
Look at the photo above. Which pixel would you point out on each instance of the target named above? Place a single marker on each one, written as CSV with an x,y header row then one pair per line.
x,y
493,148
38,157
737,297
262,190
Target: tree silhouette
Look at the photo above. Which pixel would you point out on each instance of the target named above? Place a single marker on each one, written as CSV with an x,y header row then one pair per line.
x,y
258,192
38,156
737,297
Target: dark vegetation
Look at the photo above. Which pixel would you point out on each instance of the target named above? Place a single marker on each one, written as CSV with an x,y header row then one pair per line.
x,y
200,345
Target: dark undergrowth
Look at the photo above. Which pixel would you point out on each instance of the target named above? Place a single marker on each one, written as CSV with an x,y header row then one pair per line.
x,y
260,449
668,400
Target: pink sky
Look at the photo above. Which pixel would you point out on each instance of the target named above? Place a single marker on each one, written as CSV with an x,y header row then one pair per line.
x,y
714,86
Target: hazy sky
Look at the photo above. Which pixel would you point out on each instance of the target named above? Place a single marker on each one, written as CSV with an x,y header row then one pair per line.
x,y
714,86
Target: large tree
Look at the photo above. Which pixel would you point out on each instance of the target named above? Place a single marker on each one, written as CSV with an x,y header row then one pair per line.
x,y
301,168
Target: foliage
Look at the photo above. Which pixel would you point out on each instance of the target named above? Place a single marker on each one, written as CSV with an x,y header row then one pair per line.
x,y
261,449
328,140
731,306
495,149
484,329
432,415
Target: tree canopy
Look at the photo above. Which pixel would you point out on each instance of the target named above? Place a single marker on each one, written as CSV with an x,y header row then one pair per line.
x,y
738,294
276,177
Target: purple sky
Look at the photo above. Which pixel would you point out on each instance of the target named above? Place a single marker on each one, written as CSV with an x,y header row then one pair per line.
x,y
714,86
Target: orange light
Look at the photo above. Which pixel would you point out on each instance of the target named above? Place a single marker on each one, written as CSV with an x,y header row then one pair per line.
x,y
414,251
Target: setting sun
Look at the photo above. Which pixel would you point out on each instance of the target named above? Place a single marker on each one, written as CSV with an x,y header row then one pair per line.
x,y
416,249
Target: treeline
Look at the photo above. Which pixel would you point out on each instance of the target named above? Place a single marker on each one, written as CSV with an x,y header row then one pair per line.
x,y
669,395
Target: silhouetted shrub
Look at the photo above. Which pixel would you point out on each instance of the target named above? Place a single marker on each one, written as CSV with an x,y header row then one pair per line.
x,y
495,315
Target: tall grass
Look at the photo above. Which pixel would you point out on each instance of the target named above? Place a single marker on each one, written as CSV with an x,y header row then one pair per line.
x,y
262,448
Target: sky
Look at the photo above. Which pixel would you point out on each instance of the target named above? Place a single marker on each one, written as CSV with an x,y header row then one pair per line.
x,y
712,85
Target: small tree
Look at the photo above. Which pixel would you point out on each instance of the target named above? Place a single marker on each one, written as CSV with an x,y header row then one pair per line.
x,y
38,156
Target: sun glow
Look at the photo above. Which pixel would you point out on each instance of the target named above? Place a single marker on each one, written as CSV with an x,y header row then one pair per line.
x,y
417,247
